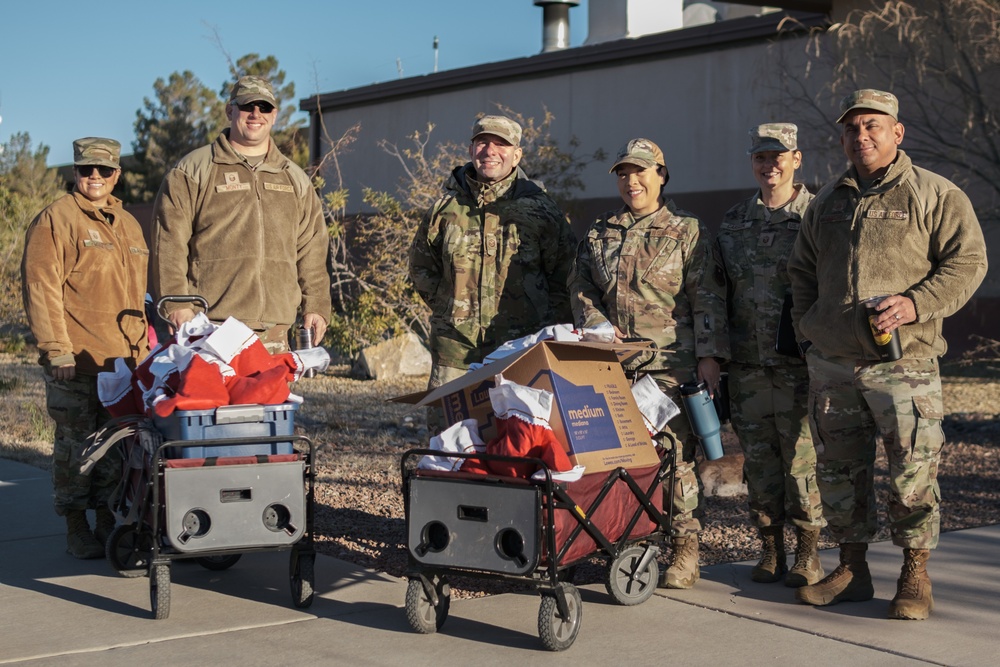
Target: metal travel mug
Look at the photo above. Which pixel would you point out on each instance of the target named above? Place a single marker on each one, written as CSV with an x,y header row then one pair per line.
x,y
703,418
887,344
303,341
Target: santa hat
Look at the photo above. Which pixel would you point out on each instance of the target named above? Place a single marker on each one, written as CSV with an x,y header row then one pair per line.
x,y
523,430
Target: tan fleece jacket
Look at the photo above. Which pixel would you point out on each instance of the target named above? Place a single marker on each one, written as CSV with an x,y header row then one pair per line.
x,y
252,241
912,233
83,279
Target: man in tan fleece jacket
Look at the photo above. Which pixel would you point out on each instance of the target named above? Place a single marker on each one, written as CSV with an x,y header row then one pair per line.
x,y
240,224
885,228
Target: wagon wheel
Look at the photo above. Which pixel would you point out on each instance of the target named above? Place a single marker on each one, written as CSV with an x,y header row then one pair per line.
x,y
626,583
128,550
558,631
302,575
426,611
218,563
159,590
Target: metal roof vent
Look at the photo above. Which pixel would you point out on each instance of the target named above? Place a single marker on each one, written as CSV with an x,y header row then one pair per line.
x,y
555,23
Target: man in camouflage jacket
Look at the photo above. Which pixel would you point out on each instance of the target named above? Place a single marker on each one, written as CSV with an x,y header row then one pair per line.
x,y
492,256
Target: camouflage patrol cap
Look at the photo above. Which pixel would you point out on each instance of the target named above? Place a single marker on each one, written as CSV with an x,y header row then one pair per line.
x,y
97,152
252,89
640,152
779,137
505,128
868,98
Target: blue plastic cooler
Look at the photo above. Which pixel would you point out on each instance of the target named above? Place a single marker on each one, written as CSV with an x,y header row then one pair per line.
x,y
230,421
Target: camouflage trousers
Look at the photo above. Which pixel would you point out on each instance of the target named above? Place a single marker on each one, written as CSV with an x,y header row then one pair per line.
x,y
688,492
435,415
77,412
769,414
854,404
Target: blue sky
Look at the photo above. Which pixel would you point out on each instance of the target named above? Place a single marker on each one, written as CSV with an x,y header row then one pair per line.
x,y
71,69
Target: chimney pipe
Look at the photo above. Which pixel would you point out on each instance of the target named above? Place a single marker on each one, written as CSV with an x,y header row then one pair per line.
x,y
555,23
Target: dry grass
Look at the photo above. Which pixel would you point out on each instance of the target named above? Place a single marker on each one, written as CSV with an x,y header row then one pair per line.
x,y
25,428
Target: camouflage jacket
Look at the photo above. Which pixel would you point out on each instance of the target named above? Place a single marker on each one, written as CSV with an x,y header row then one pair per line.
x,y
754,245
83,280
492,263
654,278
912,233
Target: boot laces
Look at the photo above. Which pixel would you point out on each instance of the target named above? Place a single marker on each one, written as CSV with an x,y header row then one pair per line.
x,y
804,550
909,582
683,553
769,557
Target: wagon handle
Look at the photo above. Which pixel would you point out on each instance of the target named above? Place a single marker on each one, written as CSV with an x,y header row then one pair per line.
x,y
179,298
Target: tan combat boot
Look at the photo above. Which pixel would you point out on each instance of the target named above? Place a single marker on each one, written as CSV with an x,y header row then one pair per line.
x,y
773,563
913,601
80,542
105,524
683,571
807,568
850,582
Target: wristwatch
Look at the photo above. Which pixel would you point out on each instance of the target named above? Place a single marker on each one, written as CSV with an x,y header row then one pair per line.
x,y
804,347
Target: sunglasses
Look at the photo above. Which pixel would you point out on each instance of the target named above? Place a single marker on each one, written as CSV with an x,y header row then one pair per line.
x,y
88,170
263,107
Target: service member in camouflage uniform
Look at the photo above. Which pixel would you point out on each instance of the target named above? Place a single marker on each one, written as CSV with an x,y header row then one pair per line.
x,y
491,257
84,285
240,224
885,227
768,390
649,270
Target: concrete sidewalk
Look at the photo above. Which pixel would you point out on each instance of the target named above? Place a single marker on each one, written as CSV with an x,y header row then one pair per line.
x,y
55,610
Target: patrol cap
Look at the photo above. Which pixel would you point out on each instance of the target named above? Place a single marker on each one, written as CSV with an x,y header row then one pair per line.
x,y
97,152
640,152
779,137
869,98
503,127
252,89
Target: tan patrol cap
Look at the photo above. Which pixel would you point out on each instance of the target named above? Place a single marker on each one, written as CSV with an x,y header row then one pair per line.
x,y
869,98
97,152
507,129
642,153
779,137
252,89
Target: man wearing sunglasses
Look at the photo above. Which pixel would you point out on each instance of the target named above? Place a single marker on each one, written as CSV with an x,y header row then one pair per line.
x,y
83,279
241,225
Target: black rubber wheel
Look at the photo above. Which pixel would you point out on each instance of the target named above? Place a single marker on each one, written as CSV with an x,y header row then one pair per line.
x,y
159,590
218,563
303,578
625,583
128,550
423,615
558,633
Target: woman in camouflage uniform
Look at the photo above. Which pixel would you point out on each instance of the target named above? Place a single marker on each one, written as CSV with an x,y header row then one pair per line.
x,y
648,270
768,389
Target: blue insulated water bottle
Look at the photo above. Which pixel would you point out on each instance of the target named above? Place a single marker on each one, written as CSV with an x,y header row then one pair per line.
x,y
703,418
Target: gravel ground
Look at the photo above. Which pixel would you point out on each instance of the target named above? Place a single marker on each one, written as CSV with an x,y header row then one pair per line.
x,y
359,514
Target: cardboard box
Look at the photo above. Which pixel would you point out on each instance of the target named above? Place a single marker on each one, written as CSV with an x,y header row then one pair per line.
x,y
594,415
